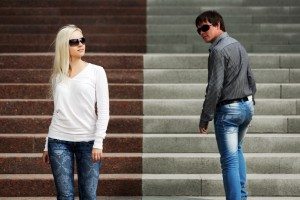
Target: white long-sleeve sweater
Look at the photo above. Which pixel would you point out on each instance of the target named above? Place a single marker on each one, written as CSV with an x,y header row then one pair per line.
x,y
74,118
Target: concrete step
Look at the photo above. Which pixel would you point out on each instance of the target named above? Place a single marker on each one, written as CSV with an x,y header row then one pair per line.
x,y
209,163
197,91
40,91
211,184
45,107
40,124
82,20
29,185
230,28
199,61
179,3
31,163
44,60
67,11
189,124
192,107
74,3
200,75
197,143
228,18
199,48
34,143
43,75
52,29
244,38
225,10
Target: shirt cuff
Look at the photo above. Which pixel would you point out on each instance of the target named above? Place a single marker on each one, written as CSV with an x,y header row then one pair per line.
x,y
46,144
98,143
203,124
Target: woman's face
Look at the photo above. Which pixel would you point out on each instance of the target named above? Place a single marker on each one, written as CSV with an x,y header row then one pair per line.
x,y
77,45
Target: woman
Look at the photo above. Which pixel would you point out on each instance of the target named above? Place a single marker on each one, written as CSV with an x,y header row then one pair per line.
x,y
76,130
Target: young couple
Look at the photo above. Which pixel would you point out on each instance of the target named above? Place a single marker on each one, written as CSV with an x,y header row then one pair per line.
x,y
77,132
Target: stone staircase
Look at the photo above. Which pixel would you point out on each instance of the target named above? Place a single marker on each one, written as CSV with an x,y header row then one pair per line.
x,y
261,26
179,161
152,150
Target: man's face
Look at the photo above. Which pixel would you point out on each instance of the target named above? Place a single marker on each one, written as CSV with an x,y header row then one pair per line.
x,y
208,32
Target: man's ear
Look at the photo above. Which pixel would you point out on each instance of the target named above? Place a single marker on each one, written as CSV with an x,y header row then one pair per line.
x,y
219,26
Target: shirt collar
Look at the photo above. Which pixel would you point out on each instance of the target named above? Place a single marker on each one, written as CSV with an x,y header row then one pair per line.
x,y
212,46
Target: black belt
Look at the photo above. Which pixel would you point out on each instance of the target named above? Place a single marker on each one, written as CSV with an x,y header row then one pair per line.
x,y
225,102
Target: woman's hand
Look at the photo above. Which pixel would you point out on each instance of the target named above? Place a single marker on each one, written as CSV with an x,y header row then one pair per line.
x,y
96,155
45,157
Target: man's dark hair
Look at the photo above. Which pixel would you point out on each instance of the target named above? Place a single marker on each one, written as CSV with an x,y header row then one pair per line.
x,y
212,17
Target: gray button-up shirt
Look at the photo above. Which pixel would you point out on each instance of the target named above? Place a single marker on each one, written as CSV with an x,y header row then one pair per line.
x,y
229,75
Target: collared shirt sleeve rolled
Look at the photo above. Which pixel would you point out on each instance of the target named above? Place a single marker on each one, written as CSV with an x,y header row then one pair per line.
x,y
214,87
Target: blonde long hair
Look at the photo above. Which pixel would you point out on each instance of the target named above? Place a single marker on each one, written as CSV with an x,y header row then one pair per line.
x,y
61,64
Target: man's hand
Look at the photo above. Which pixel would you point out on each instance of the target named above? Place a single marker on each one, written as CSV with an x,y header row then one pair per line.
x,y
203,128
96,155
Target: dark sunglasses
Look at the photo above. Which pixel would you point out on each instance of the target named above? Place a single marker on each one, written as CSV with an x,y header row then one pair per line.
x,y
75,42
203,28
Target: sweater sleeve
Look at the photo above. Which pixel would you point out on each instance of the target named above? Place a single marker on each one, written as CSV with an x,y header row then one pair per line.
x,y
102,97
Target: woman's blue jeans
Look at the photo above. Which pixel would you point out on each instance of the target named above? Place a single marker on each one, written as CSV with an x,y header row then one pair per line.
x,y
61,155
231,124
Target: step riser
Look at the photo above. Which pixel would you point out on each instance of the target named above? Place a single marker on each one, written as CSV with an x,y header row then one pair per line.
x,y
196,3
194,61
57,3
29,144
46,107
160,11
109,20
229,19
46,29
42,91
200,76
215,187
208,144
104,48
73,11
44,61
106,187
43,76
197,91
41,42
34,165
41,125
169,124
193,107
185,165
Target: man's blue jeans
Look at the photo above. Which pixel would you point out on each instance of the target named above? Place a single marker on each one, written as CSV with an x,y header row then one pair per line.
x,y
231,124
61,155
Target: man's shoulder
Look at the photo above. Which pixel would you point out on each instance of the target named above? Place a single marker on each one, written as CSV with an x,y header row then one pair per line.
x,y
225,43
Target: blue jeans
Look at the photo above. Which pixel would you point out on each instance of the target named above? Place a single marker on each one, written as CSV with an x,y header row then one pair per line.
x,y
61,155
231,124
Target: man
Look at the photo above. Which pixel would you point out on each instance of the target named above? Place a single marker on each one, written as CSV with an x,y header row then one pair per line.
x,y
228,100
